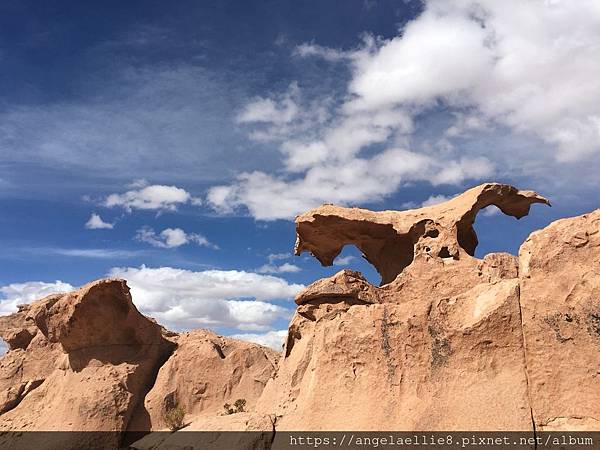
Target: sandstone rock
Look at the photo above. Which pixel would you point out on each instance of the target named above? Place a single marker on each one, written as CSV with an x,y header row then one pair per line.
x,y
560,302
205,372
440,339
447,342
91,359
390,240
413,362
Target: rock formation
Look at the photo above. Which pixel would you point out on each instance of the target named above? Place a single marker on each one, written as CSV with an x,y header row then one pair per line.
x,y
560,303
391,240
89,361
205,372
447,342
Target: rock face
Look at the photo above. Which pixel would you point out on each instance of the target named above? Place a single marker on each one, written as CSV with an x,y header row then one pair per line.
x,y
421,354
447,342
203,373
81,361
89,361
560,301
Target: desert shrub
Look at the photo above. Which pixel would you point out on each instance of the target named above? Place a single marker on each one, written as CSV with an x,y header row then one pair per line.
x,y
174,418
238,406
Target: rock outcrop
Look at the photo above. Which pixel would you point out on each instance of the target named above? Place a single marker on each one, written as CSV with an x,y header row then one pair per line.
x,y
88,360
560,303
391,240
204,373
82,361
447,342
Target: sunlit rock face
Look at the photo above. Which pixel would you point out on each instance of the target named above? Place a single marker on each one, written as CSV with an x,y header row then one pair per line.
x,y
447,342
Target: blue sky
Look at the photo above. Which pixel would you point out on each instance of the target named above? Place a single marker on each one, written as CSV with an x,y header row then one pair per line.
x,y
172,144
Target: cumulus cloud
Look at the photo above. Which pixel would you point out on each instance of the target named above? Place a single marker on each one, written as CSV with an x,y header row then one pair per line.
x,y
15,294
343,260
95,222
529,66
435,199
283,268
171,238
269,197
184,299
273,339
523,71
154,197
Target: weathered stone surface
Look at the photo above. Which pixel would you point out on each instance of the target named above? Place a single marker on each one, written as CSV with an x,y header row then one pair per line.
x,y
91,359
560,301
205,372
440,339
417,361
448,342
391,240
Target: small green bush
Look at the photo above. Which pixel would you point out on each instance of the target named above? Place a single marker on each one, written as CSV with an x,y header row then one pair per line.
x,y
174,418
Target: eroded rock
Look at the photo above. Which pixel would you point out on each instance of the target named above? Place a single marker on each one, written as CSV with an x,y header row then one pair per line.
x,y
205,372
560,300
391,240
91,359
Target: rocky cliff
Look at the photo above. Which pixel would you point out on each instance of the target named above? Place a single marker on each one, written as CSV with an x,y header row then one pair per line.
x,y
446,342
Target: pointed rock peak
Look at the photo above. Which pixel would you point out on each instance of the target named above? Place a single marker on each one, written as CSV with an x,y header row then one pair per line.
x,y
390,240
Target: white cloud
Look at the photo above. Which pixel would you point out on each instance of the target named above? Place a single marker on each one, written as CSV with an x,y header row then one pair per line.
x,y
283,268
183,299
313,50
15,294
94,253
171,238
95,222
3,347
525,72
273,111
154,197
161,120
273,339
532,66
272,257
343,260
435,199
269,197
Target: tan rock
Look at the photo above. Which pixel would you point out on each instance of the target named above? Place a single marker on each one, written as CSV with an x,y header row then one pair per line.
x,y
560,301
423,362
390,240
203,373
439,340
91,359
